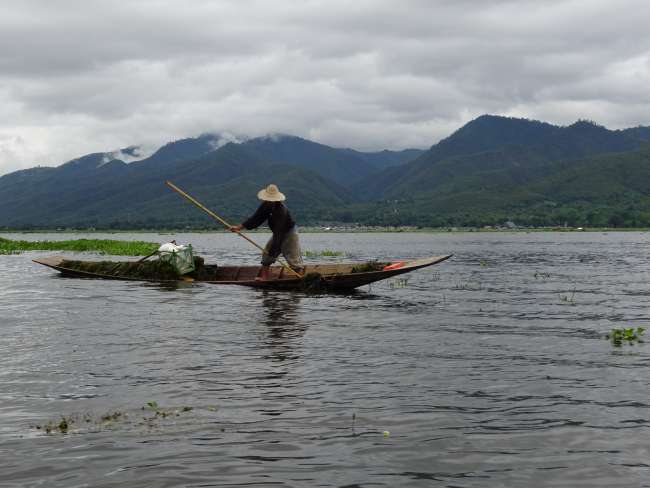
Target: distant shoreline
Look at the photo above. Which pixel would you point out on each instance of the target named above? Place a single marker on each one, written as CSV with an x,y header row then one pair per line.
x,y
342,230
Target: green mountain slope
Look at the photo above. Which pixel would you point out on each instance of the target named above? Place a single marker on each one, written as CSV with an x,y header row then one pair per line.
x,y
519,144
603,190
91,193
491,170
342,166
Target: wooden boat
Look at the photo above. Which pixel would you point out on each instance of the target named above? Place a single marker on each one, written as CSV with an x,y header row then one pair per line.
x,y
344,276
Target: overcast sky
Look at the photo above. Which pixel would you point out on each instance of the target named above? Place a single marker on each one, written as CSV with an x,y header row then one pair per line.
x,y
84,76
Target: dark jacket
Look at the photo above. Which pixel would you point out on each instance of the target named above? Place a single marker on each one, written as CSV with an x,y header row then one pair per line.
x,y
279,219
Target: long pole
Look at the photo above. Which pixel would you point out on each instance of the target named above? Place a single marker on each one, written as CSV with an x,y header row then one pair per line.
x,y
219,219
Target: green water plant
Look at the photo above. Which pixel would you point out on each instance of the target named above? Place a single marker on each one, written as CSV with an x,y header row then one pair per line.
x,y
631,335
100,246
323,253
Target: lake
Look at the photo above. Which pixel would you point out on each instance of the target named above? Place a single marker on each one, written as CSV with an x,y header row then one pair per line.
x,y
490,369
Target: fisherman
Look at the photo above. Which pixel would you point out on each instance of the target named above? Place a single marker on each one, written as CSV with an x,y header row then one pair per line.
x,y
285,232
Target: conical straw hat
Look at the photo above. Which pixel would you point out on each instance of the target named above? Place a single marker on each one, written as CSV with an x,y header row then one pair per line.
x,y
271,194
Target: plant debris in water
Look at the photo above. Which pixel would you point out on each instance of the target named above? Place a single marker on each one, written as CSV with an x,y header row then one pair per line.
x,y
399,283
630,335
74,422
101,246
151,418
369,267
323,253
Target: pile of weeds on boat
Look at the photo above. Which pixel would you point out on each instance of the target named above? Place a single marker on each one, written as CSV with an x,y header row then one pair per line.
x,y
149,270
368,267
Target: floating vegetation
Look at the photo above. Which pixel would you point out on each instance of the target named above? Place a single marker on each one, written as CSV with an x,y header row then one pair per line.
x,y
74,422
323,253
112,417
630,335
147,270
469,286
151,418
101,246
568,298
369,267
399,283
163,413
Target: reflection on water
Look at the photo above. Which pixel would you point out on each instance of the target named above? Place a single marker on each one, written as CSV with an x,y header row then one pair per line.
x,y
283,325
489,370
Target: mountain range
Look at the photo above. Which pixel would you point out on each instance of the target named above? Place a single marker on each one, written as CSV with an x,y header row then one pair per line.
x,y
490,170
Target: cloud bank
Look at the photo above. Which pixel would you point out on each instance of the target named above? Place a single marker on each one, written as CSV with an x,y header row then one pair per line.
x,y
79,76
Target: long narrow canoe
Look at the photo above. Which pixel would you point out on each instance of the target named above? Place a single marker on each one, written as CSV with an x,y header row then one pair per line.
x,y
343,276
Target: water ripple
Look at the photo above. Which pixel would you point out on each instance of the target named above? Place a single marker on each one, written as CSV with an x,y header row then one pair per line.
x,y
489,370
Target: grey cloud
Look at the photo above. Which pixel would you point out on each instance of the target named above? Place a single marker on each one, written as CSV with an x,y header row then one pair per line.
x,y
79,76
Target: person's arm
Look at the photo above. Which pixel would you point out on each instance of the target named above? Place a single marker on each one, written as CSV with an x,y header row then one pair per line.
x,y
257,219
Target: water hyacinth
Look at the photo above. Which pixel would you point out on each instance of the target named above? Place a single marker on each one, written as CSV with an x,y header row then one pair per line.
x,y
328,253
630,335
100,246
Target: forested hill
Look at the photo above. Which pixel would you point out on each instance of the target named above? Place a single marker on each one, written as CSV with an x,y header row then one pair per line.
x,y
102,191
490,143
495,169
490,170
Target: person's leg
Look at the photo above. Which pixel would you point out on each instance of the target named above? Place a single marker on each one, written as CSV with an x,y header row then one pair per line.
x,y
267,261
291,251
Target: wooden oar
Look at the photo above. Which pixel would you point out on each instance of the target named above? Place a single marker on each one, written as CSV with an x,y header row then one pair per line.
x,y
219,219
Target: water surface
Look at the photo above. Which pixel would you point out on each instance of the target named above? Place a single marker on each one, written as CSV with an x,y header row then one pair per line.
x,y
488,370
